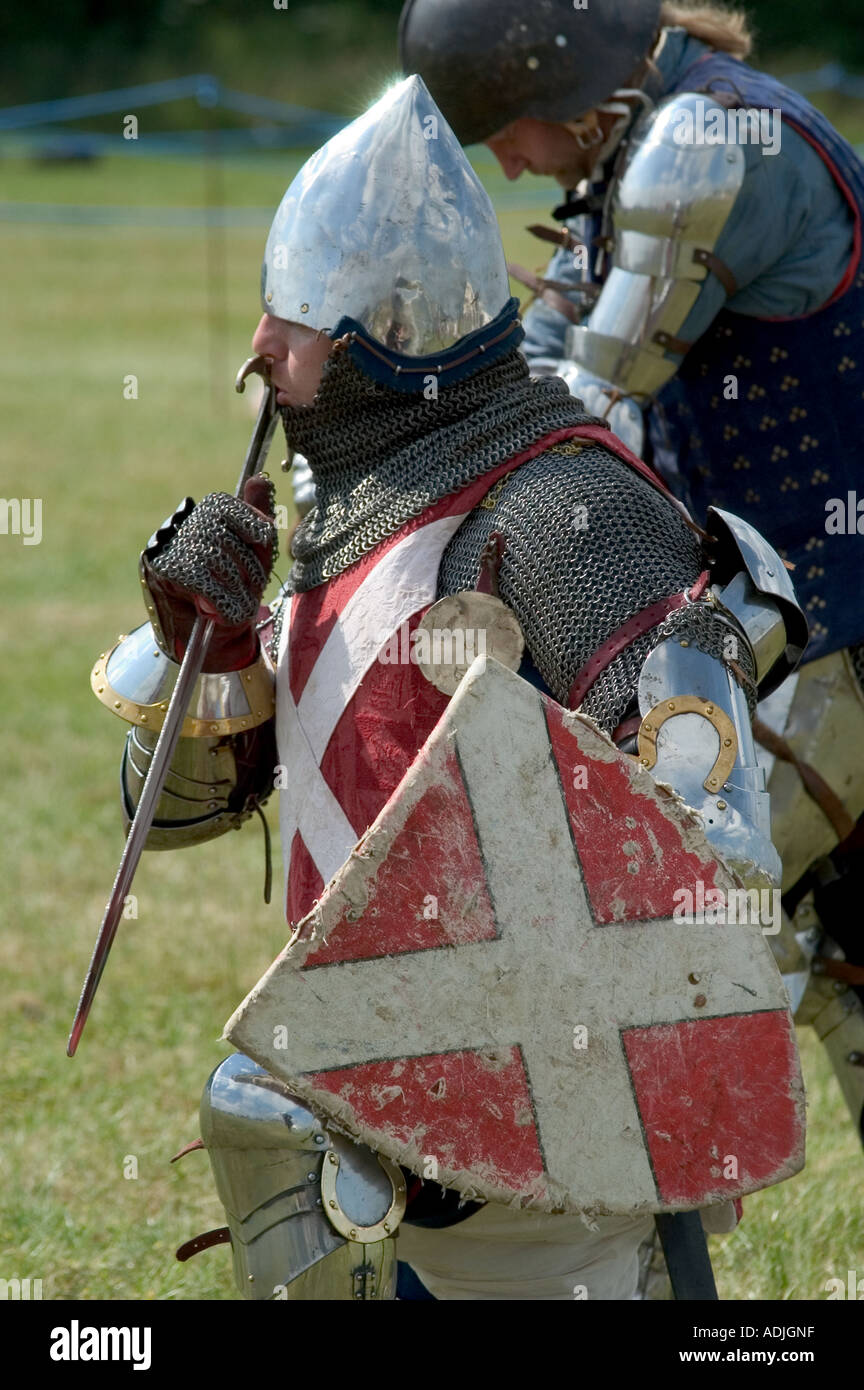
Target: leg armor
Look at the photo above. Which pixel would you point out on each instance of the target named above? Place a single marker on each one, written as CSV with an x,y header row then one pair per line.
x,y
820,713
311,1214
836,1012
823,722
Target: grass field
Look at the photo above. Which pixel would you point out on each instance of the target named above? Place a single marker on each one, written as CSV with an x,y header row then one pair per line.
x,y
85,307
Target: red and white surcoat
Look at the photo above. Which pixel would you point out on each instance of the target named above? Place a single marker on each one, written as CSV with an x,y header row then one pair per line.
x,y
348,725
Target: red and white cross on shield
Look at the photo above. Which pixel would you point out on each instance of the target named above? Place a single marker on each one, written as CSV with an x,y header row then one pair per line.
x,y
494,980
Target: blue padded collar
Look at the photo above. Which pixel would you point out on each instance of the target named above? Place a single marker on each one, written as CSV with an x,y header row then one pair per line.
x,y
411,374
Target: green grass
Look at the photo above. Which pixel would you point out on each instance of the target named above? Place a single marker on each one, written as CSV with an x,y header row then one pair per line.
x,y
83,309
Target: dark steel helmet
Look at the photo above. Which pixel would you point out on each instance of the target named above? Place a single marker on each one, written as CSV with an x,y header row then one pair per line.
x,y
490,62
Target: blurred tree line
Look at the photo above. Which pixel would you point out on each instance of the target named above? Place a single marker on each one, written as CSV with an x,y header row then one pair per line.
x,y
297,48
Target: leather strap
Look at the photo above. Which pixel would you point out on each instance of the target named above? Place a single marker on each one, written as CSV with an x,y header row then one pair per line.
x,y
718,268
666,340
839,970
559,236
545,290
814,784
221,1236
490,563
634,627
578,207
628,728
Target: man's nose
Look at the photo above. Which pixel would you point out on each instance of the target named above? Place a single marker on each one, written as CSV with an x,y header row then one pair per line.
x,y
267,340
512,164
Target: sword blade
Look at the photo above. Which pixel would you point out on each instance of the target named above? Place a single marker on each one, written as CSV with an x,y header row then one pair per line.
x,y
190,670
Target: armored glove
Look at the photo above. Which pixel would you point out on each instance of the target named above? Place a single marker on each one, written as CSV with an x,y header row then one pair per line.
x,y
214,560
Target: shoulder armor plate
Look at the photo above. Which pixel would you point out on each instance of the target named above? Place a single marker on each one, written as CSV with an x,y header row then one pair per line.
x,y
669,208
741,544
676,192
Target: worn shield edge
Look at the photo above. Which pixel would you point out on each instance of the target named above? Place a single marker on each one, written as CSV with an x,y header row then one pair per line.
x,y
347,887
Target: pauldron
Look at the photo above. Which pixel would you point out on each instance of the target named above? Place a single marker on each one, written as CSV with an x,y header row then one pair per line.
x,y
669,207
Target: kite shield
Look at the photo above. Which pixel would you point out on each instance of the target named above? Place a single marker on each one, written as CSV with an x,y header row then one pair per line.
x,y
495,992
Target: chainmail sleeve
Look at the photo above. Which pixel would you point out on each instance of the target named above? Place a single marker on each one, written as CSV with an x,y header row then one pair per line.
x,y
589,545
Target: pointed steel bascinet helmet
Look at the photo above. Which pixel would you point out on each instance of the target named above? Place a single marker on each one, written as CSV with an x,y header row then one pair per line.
x,y
388,224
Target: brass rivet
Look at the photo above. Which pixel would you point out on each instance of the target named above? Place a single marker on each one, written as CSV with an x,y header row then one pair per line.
x,y
269,296
387,1226
214,728
721,805
727,743
709,709
693,978
684,642
116,704
100,689
644,762
700,1001
143,718
304,308
332,1158
332,1203
671,704
648,728
353,1232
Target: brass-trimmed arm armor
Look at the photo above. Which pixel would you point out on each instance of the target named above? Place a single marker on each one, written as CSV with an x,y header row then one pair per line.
x,y
222,768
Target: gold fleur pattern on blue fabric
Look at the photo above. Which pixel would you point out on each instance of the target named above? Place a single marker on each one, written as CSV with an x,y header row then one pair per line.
x,y
784,446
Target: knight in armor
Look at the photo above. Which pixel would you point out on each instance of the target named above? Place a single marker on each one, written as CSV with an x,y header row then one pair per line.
x,y
706,300
441,468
